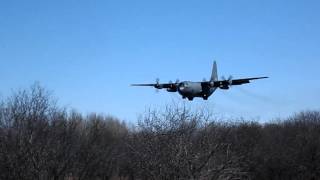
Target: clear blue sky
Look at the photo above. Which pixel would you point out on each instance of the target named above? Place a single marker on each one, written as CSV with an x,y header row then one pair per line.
x,y
88,52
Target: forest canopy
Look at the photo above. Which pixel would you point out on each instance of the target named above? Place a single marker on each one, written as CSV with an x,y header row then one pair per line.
x,y
40,140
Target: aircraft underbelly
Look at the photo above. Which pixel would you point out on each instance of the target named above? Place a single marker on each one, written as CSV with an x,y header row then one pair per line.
x,y
193,91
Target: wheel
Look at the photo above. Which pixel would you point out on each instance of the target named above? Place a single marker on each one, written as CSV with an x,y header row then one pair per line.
x,y
205,97
190,98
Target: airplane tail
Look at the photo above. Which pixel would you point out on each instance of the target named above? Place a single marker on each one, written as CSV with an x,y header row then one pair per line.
x,y
214,75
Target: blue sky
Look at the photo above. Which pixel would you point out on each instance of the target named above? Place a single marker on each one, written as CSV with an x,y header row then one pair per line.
x,y
88,52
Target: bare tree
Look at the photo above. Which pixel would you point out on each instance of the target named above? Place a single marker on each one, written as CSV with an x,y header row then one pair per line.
x,y
39,140
26,117
175,144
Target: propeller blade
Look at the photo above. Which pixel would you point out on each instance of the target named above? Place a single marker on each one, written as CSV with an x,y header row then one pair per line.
x,y
157,83
170,82
230,80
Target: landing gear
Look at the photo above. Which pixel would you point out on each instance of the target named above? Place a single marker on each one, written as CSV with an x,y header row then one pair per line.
x,y
190,98
205,97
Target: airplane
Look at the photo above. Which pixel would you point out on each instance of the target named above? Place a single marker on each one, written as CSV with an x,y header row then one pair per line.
x,y
203,89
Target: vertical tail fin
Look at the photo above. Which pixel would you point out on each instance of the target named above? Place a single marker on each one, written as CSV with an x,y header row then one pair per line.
x,y
214,74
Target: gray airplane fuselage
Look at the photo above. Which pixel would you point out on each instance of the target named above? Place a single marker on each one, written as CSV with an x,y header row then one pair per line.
x,y
194,89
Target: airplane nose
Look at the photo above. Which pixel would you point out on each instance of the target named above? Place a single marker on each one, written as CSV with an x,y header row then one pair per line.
x,y
182,87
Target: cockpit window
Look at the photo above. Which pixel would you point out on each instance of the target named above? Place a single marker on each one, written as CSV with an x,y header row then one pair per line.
x,y
184,84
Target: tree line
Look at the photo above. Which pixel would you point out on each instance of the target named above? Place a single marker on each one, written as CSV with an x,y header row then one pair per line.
x,y
39,140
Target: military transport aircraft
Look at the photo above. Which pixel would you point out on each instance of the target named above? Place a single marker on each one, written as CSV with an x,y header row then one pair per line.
x,y
203,89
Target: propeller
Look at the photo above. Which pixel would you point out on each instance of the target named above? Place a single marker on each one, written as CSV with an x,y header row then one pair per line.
x,y
170,82
157,85
212,83
229,81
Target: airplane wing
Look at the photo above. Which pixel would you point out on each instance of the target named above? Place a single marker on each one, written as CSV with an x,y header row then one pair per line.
x,y
159,85
230,81
244,81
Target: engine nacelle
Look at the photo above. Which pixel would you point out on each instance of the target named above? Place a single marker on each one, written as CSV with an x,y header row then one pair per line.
x,y
172,89
225,87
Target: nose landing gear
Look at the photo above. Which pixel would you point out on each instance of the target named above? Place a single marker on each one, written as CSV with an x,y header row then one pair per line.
x,y
190,98
205,97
